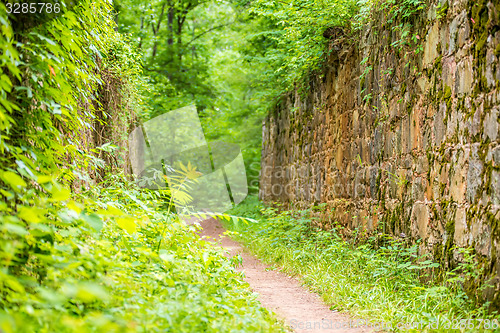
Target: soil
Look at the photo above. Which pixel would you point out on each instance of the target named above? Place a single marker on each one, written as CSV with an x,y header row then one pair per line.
x,y
301,309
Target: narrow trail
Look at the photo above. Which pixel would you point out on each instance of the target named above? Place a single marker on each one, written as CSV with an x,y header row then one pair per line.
x,y
280,293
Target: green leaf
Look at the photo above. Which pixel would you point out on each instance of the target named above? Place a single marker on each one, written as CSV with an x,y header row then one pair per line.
x,y
14,285
127,223
60,193
94,221
30,214
13,180
85,292
15,229
42,179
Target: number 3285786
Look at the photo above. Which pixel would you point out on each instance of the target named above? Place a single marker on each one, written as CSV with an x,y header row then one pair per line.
x,y
33,8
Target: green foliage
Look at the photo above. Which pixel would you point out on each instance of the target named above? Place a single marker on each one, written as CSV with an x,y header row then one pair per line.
x,y
192,55
384,279
171,36
233,60
100,269
105,257
53,73
291,41
49,73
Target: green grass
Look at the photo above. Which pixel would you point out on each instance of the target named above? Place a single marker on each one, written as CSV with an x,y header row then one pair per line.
x,y
380,280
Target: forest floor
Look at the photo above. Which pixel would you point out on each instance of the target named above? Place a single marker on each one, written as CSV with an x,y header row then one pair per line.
x,y
301,309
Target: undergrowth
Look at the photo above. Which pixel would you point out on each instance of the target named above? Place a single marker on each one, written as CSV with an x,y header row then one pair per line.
x,y
81,256
100,268
380,283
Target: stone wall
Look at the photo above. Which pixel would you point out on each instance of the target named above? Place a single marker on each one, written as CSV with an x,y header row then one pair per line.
x,y
401,141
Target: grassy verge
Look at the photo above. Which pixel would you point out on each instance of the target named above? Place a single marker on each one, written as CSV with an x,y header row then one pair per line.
x,y
380,283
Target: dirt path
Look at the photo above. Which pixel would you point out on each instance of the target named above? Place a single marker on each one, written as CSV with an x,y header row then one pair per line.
x,y
301,309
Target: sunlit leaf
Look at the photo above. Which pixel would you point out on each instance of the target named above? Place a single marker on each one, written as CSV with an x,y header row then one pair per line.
x,y
127,223
60,193
30,214
13,180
